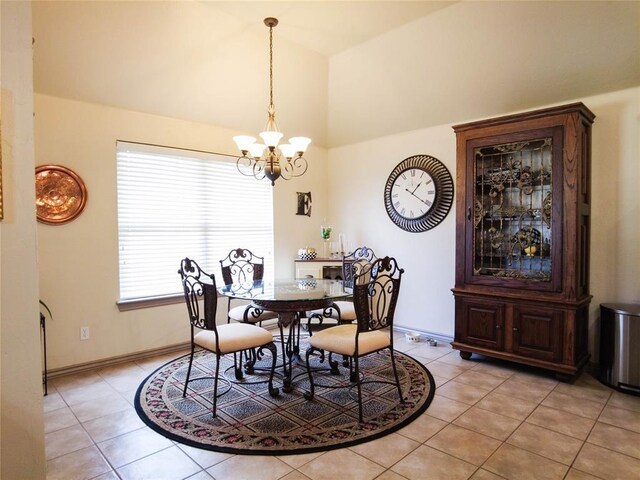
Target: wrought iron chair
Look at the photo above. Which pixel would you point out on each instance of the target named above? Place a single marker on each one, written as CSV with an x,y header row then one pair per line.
x,y
375,294
218,339
356,263
241,266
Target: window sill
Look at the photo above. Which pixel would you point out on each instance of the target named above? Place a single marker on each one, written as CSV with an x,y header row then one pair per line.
x,y
149,302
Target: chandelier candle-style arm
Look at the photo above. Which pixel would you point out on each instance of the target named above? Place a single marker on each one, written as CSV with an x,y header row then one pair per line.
x,y
270,159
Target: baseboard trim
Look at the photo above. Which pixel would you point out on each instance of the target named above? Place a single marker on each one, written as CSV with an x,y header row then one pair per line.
x,y
437,336
592,368
108,362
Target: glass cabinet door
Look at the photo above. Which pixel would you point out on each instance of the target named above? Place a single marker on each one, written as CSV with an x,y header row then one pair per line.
x,y
513,196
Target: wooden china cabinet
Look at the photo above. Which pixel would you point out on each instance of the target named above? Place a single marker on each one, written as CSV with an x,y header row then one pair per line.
x,y
522,238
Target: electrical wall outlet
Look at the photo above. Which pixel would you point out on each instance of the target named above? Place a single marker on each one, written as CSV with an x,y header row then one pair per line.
x,y
84,333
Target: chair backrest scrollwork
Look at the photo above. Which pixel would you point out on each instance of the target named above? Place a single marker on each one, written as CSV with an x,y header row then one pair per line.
x,y
199,285
241,266
357,263
375,299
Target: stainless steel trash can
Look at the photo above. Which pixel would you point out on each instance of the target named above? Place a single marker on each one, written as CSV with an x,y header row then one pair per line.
x,y
620,346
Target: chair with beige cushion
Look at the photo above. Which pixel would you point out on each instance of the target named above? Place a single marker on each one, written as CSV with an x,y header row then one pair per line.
x,y
201,297
356,263
375,295
242,267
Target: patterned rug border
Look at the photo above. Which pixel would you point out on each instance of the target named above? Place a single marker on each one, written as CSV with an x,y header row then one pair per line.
x,y
298,451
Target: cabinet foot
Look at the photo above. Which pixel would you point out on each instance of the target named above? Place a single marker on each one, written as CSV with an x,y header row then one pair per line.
x,y
564,377
465,355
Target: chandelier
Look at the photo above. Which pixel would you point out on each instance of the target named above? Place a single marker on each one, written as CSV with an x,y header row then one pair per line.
x,y
269,159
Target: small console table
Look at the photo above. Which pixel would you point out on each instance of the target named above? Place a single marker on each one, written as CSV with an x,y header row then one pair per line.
x,y
330,268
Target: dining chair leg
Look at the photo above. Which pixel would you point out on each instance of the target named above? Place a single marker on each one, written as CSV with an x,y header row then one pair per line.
x,y
215,385
357,363
296,348
333,364
309,395
353,376
395,373
186,381
237,365
250,360
273,391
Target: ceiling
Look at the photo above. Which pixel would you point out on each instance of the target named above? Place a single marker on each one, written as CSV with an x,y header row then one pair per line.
x,y
344,71
329,27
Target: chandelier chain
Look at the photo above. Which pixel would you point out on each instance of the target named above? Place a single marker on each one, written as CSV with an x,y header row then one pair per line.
x,y
271,66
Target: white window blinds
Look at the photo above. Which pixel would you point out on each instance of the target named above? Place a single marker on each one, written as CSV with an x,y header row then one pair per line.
x,y
180,203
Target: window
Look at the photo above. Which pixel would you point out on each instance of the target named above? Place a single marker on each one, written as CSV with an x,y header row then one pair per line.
x,y
180,203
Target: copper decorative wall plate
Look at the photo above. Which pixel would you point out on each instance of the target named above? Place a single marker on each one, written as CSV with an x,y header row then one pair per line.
x,y
60,194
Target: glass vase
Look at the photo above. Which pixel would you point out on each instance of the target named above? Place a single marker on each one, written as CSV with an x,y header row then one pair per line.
x,y
325,234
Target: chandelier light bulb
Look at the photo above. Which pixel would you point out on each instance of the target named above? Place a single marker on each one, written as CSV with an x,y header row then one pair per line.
x,y
271,139
244,142
300,143
287,150
257,149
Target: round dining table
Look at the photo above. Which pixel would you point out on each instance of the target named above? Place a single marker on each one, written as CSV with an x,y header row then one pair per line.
x,y
290,299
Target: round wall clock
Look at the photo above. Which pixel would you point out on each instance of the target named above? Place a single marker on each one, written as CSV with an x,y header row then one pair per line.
x,y
60,194
419,193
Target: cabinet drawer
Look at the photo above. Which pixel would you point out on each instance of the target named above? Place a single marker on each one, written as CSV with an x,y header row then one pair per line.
x,y
480,323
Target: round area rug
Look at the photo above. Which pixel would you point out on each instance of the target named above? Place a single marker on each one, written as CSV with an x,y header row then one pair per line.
x,y
251,422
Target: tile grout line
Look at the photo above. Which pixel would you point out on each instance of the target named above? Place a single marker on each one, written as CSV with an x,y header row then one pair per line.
x,y
93,442
524,420
612,425
478,467
493,390
447,422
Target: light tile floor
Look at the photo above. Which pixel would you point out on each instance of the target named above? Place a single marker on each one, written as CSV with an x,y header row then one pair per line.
x,y
488,420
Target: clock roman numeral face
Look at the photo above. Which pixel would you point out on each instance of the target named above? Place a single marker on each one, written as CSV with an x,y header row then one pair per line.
x,y
419,193
413,193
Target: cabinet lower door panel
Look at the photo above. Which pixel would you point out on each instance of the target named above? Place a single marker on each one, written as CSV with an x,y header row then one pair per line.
x,y
482,324
537,333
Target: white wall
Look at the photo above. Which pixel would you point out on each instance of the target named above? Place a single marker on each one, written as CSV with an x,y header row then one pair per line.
x,y
480,59
79,260
615,209
357,175
21,419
